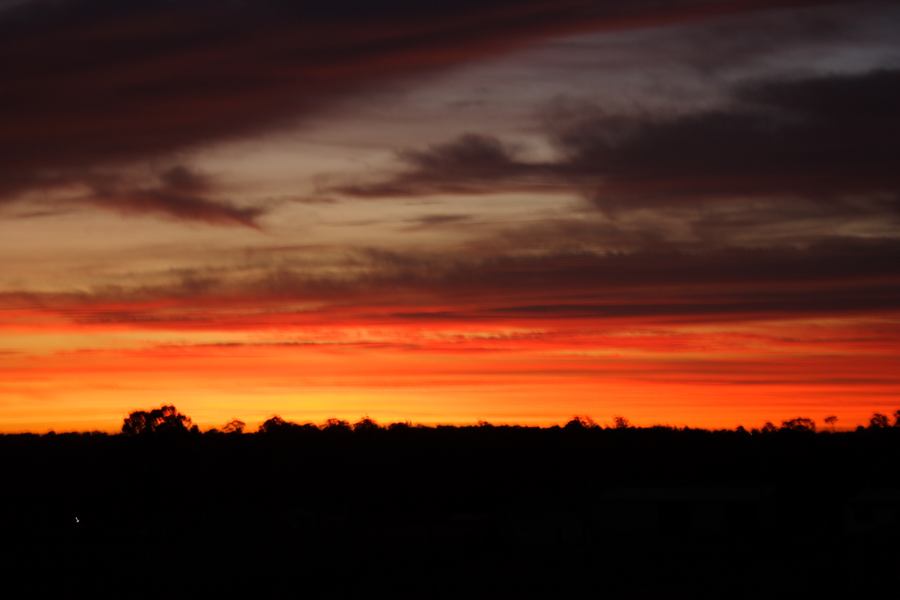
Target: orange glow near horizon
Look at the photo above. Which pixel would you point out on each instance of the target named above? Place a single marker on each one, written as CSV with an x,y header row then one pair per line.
x,y
534,373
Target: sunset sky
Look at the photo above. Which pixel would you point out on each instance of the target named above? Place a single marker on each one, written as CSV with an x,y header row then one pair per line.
x,y
685,212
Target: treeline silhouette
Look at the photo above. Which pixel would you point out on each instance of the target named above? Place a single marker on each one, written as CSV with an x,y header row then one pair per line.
x,y
168,420
346,509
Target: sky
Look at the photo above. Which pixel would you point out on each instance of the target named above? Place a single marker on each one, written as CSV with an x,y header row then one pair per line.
x,y
683,212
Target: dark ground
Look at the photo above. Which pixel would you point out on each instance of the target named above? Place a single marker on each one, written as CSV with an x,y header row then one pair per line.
x,y
452,513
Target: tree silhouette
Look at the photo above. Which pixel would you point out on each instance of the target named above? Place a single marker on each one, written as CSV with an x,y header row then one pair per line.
x,y
400,426
234,426
830,420
878,421
800,424
165,419
621,422
276,424
336,426
365,425
579,423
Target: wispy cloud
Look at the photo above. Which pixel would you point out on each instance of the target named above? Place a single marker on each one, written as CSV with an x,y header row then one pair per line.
x,y
179,193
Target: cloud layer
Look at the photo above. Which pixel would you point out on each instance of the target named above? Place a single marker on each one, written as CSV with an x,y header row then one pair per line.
x,y
823,138
95,84
368,287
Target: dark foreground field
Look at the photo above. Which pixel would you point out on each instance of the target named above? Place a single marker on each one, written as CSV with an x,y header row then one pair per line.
x,y
453,513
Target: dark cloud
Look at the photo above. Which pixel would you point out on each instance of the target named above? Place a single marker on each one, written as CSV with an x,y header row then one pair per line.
x,y
769,39
37,213
820,137
840,259
179,193
829,139
470,164
834,277
90,83
439,220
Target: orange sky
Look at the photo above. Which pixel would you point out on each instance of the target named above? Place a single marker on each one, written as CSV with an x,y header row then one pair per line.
x,y
535,372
